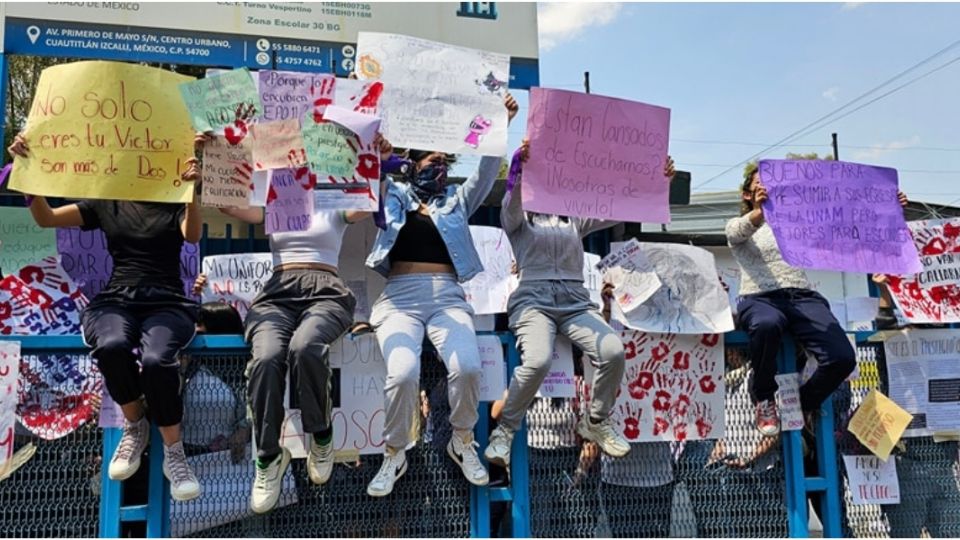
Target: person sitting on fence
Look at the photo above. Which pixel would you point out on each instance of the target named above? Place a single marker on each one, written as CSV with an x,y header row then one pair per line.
x,y
551,299
424,251
776,297
142,307
303,308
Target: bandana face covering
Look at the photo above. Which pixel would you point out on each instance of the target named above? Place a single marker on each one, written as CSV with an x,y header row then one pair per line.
x,y
430,181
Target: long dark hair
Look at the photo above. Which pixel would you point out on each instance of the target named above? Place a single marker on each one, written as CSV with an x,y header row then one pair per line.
x,y
220,318
751,169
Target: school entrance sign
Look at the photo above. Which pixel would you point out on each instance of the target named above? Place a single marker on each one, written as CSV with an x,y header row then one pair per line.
x,y
315,37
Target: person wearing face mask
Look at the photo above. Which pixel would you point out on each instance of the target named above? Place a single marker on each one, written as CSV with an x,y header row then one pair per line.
x,y
425,250
551,300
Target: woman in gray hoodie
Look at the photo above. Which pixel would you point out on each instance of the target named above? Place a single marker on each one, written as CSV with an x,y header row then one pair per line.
x,y
551,299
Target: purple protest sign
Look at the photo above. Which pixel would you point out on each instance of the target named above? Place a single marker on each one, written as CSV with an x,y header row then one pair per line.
x,y
595,156
836,215
290,201
83,254
288,94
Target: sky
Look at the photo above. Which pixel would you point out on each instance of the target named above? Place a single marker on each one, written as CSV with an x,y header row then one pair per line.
x,y
755,73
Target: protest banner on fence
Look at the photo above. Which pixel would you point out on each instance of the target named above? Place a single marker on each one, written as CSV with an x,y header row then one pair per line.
x,y
58,393
595,156
836,215
933,294
227,173
223,102
55,300
593,278
493,369
437,96
489,290
236,279
559,382
925,378
107,130
9,373
672,389
690,300
879,423
872,480
22,241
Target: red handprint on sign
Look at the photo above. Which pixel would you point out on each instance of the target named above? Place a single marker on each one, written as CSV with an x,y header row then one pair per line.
x,y
679,428
681,361
322,97
241,125
660,425
685,389
663,348
634,345
662,397
297,158
704,419
710,340
631,421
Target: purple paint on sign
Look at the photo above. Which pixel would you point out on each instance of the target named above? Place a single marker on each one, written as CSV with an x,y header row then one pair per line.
x,y
836,215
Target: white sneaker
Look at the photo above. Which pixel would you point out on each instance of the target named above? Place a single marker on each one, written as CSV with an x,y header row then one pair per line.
x,y
268,482
394,465
463,450
184,485
320,462
126,459
498,448
604,435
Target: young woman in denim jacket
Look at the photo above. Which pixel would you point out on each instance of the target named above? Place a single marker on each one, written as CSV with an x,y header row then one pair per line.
x,y
425,252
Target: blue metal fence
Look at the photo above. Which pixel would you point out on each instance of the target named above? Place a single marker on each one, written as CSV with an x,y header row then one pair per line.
x,y
155,512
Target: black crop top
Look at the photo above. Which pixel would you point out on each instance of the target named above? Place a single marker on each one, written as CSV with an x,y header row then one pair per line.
x,y
420,241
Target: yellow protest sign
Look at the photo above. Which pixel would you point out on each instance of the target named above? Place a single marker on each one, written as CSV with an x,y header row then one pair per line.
x,y
879,423
107,130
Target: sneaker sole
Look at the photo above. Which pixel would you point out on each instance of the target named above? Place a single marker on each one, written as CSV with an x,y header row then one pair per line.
x,y
187,497
586,434
403,470
284,463
496,460
453,456
318,480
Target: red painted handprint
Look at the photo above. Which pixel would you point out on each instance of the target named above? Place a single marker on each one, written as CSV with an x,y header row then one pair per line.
x,y
322,96
662,397
685,390
680,428
706,366
681,361
704,419
241,125
634,345
710,340
631,421
660,425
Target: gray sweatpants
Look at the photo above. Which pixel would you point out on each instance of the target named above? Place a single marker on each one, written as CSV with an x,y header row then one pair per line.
x,y
292,322
409,306
538,311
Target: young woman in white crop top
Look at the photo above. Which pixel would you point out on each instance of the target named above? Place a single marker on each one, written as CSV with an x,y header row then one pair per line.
x,y
303,308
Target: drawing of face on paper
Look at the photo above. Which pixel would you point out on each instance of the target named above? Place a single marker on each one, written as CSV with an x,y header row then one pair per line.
x,y
479,127
491,84
368,67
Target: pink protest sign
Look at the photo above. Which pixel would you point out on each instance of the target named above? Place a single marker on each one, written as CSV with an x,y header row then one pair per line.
x,y
290,200
597,157
836,215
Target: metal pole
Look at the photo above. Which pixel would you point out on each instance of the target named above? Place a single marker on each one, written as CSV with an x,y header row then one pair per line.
x,y
836,149
586,81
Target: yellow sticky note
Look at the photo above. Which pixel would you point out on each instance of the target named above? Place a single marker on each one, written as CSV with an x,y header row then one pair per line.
x,y
107,130
879,423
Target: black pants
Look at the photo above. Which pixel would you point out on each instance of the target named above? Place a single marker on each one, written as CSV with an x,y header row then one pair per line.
x,y
292,323
157,321
806,315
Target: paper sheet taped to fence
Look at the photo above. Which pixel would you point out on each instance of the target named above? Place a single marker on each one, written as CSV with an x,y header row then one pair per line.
x,y
932,295
672,389
9,372
437,96
107,130
924,374
489,290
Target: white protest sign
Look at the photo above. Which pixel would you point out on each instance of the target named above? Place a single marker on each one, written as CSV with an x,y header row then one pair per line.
x,y
236,279
437,96
559,381
691,299
872,480
788,401
592,278
359,373
9,372
493,370
489,290
923,367
634,279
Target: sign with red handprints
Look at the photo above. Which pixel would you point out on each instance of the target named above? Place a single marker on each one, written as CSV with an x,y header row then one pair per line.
x,y
672,389
9,371
933,295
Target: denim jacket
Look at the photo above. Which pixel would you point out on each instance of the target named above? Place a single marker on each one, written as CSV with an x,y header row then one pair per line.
x,y
449,213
